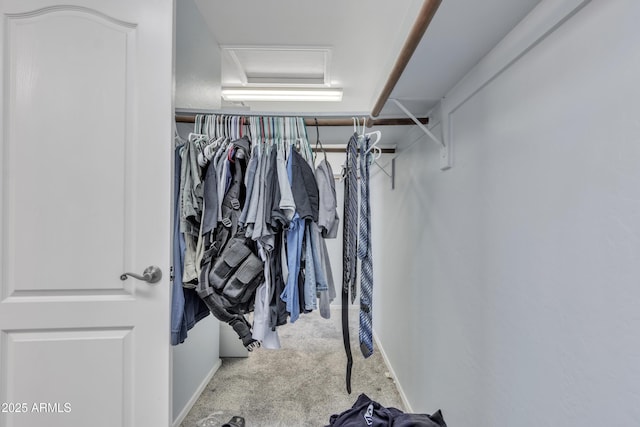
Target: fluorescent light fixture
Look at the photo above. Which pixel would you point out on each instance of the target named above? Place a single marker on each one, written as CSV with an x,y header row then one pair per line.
x,y
280,94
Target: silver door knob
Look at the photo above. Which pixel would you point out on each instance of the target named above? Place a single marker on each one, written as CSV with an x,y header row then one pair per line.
x,y
151,274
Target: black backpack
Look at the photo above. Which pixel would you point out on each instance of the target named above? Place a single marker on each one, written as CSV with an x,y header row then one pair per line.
x,y
231,269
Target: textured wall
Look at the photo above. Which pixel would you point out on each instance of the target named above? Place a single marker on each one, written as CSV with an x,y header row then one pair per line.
x,y
507,287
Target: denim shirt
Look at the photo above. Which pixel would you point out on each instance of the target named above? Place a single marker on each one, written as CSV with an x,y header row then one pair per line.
x,y
295,233
318,262
291,295
287,204
310,274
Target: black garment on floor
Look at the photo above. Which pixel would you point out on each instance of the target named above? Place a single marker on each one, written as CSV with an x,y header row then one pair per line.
x,y
367,413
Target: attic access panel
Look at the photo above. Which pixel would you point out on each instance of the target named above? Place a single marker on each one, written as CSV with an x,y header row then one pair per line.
x,y
279,65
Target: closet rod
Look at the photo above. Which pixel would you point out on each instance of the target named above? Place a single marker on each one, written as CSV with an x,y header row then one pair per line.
x,y
337,121
343,149
429,8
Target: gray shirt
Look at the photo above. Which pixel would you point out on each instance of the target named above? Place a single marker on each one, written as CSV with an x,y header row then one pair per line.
x,y
328,218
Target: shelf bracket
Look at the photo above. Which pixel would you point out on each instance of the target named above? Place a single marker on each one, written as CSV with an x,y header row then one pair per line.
x,y
391,175
445,157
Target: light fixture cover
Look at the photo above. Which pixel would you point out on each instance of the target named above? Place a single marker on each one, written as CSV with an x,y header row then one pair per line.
x,y
281,94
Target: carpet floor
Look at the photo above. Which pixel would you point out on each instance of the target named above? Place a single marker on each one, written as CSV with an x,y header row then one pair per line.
x,y
302,384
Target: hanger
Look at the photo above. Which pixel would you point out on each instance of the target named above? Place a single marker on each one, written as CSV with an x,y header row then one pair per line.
x,y
261,133
196,124
177,139
195,137
213,130
374,144
207,125
284,132
216,132
289,136
318,143
377,151
209,150
234,127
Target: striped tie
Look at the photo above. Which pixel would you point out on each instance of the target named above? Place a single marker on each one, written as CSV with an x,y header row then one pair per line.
x,y
351,218
364,253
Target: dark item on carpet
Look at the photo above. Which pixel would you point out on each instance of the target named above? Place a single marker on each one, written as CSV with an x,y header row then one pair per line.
x,y
235,422
367,412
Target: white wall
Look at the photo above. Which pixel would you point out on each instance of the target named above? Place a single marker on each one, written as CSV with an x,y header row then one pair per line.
x,y
194,363
507,288
198,60
196,86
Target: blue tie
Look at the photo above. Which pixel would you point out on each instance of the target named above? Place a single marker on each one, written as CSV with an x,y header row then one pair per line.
x,y
364,253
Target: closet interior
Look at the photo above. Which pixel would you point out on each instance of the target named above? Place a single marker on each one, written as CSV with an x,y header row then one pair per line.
x,y
447,201
293,213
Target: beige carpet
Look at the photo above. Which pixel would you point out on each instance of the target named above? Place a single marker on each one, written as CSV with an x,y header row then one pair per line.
x,y
301,384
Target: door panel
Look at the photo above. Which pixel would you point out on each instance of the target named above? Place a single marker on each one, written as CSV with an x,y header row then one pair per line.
x,y
85,196
54,204
97,357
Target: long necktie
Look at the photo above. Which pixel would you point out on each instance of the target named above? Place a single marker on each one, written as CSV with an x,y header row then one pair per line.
x,y
351,218
364,253
349,242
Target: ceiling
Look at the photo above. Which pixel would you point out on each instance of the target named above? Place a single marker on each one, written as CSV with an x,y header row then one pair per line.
x,y
364,37
359,41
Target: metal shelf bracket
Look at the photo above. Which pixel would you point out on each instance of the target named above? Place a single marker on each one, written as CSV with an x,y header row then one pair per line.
x,y
445,155
391,175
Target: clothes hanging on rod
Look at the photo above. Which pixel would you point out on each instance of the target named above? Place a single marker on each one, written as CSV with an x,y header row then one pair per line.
x,y
249,207
187,308
357,243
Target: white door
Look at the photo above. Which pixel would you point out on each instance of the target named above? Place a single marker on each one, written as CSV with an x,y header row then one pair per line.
x,y
85,131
